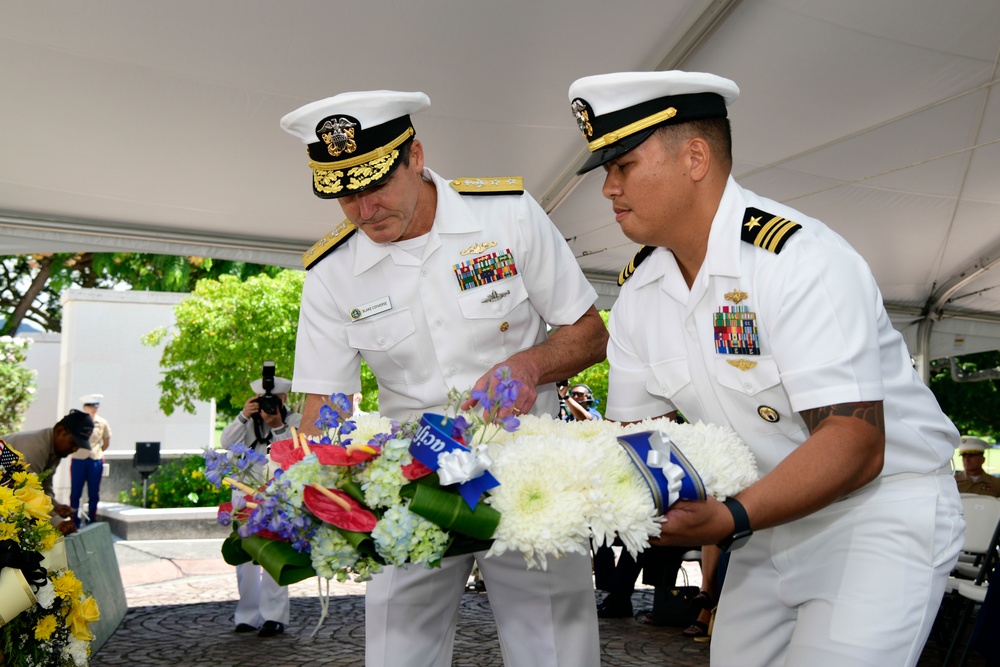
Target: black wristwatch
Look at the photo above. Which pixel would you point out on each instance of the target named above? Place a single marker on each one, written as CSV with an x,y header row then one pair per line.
x,y
742,531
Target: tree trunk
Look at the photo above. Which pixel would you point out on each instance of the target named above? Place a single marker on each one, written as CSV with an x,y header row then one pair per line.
x,y
29,296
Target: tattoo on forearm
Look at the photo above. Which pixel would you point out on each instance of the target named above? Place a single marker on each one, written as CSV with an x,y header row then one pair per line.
x,y
869,411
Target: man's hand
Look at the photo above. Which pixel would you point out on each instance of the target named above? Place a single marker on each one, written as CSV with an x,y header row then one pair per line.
x,y
66,527
521,370
65,511
695,522
251,407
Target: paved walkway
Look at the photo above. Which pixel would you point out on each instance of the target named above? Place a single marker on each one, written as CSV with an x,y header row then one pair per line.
x,y
181,598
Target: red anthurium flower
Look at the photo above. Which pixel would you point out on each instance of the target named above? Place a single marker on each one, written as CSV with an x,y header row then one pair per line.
x,y
416,470
285,453
357,518
335,455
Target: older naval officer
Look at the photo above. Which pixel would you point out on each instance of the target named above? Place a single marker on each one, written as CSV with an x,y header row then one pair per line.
x,y
442,287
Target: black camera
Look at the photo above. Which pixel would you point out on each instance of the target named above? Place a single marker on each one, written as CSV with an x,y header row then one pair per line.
x,y
268,403
562,383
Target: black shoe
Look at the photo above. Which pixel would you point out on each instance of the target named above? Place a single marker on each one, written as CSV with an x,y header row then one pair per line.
x,y
270,629
612,608
245,627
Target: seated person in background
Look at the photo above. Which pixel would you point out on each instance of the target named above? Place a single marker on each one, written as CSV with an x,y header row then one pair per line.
x,y
577,403
973,479
263,603
42,450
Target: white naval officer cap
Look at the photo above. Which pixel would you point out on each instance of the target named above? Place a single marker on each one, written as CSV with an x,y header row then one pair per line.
x,y
617,112
281,386
91,399
353,139
972,445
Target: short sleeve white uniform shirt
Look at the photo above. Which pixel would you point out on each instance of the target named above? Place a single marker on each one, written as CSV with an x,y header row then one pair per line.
x,y
822,337
428,324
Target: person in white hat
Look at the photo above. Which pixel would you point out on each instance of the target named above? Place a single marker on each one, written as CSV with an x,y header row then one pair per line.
x,y
263,606
440,288
741,311
87,465
972,478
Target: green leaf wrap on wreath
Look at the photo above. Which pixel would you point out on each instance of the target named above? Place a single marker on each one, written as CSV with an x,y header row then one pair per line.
x,y
284,564
449,511
353,489
233,552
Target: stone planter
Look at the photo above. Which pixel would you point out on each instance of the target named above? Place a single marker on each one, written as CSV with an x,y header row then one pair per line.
x,y
128,522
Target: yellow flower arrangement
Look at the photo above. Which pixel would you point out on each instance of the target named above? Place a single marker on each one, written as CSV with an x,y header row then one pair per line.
x,y
55,632
36,503
45,627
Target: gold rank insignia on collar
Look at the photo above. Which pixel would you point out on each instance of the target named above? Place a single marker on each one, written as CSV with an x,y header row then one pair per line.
x,y
644,252
498,185
328,244
766,230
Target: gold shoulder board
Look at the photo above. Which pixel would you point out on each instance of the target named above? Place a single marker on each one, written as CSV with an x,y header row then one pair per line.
x,y
505,185
643,253
766,230
328,244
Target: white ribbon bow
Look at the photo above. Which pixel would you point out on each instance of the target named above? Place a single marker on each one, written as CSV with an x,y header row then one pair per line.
x,y
673,472
461,465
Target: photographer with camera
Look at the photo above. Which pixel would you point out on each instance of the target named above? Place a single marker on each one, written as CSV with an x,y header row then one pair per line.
x,y
576,403
264,419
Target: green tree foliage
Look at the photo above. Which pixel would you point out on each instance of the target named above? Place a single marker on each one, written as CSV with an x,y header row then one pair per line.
x,y
17,383
222,334
30,285
974,407
596,377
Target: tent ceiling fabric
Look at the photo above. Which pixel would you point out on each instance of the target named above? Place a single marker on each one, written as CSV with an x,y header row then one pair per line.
x,y
154,126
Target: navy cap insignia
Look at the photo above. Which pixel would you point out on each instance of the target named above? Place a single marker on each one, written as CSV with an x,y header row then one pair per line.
x,y
766,230
768,414
582,114
338,135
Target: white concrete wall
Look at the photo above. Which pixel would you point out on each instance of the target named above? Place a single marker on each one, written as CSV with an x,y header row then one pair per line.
x,y
43,358
102,352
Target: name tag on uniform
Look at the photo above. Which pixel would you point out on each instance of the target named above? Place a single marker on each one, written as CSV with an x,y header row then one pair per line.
x,y
371,308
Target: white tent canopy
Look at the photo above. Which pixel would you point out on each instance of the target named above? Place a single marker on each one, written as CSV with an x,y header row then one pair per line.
x,y
153,126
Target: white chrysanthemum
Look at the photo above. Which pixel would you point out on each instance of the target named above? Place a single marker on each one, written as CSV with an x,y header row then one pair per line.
x,y
541,492
76,650
620,502
46,595
724,462
367,426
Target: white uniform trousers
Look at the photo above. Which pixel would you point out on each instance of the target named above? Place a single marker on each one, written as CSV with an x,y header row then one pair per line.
x,y
544,618
857,583
261,598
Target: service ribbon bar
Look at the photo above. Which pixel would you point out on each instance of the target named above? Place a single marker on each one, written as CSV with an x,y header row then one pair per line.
x,y
485,269
736,330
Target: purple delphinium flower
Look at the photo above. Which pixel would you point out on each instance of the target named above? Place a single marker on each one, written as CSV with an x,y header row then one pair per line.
x,y
510,424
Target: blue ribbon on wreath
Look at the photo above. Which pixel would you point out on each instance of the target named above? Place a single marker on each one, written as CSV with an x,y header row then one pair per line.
x,y
432,439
